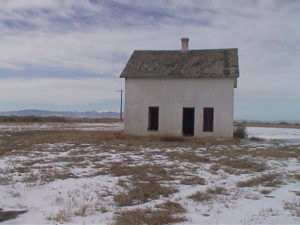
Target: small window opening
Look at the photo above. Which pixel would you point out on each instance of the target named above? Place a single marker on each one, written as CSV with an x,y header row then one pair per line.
x,y
208,120
153,118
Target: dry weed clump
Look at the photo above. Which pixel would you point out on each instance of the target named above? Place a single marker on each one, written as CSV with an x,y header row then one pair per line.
x,y
200,196
166,213
294,207
48,175
141,192
214,168
265,191
123,199
192,180
6,179
206,196
217,190
266,180
61,217
171,207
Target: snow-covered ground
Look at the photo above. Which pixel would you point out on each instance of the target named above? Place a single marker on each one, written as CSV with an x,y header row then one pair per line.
x,y
270,133
75,183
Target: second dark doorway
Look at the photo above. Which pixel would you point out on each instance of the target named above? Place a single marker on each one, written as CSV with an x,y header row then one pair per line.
x,y
188,121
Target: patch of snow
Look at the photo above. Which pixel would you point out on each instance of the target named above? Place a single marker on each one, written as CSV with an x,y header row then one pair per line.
x,y
274,133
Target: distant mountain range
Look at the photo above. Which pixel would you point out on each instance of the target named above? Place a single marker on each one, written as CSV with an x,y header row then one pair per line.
x,y
70,114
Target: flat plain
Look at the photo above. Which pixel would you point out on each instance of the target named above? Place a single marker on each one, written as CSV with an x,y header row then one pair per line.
x,y
90,173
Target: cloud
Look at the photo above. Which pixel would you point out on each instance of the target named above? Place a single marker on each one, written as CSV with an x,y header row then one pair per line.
x,y
93,39
59,91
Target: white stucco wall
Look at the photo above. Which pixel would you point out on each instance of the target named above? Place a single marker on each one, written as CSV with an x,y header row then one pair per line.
x,y
171,95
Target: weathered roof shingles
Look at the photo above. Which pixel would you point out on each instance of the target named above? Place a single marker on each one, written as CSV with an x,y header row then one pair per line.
x,y
216,63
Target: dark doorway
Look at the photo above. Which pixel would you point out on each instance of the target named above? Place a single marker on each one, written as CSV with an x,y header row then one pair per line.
x,y
188,121
153,118
208,120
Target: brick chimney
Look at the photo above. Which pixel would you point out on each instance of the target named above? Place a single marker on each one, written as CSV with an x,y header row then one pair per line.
x,y
184,45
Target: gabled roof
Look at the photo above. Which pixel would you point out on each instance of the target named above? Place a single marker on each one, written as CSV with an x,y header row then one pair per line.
x,y
215,63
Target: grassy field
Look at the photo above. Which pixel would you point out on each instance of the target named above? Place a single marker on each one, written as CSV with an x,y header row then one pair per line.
x,y
55,119
104,177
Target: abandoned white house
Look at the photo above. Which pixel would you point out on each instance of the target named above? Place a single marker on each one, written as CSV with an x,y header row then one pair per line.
x,y
181,92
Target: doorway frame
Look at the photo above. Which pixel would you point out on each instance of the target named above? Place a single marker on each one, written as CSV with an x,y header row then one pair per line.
x,y
188,121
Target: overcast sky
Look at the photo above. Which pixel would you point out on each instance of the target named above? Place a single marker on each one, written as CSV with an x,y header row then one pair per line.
x,y
68,54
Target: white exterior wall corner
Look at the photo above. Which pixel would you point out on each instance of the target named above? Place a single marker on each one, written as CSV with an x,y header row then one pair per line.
x,y
171,95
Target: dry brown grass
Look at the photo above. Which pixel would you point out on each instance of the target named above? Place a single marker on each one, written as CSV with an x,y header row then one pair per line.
x,y
171,207
192,180
55,119
266,180
166,213
187,156
241,165
148,168
265,191
294,207
200,196
25,141
279,152
141,192
217,190
61,217
208,195
46,175
141,172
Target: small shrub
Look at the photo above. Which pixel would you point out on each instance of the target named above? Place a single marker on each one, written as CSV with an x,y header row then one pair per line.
x,y
240,132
